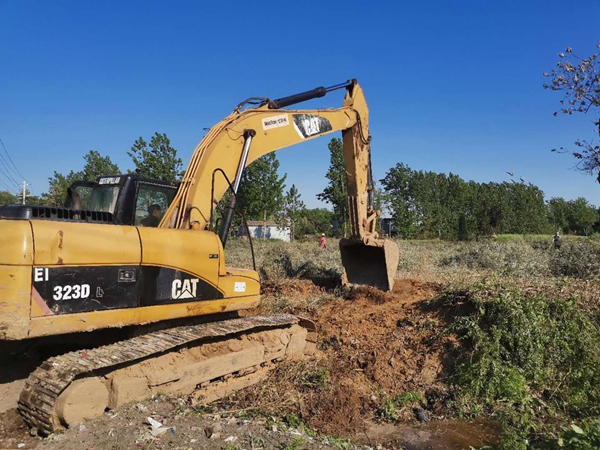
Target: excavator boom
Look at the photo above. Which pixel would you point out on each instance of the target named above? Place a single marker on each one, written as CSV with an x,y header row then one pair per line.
x,y
247,134
163,294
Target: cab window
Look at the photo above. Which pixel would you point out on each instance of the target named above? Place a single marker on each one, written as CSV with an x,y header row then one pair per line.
x,y
152,203
104,198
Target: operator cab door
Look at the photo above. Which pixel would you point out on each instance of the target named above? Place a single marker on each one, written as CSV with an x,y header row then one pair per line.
x,y
152,201
178,266
79,194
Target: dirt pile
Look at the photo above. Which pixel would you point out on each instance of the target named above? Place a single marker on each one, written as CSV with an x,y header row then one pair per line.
x,y
374,346
294,288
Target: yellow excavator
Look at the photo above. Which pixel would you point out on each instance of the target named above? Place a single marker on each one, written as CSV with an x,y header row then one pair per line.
x,y
100,264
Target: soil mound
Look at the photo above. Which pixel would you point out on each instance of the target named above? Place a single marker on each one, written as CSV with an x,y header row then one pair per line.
x,y
373,346
295,288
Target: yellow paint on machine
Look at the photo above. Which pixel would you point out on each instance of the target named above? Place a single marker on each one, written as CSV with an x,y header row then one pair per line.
x,y
116,318
16,257
15,293
72,243
62,244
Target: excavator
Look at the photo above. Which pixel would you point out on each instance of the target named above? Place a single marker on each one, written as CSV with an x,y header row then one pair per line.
x,y
95,266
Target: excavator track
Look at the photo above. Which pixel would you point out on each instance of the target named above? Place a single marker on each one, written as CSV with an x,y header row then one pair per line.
x,y
38,400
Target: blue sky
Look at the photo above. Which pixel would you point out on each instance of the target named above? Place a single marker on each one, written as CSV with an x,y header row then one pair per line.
x,y
452,86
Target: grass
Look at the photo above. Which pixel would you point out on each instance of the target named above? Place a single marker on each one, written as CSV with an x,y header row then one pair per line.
x,y
391,406
508,255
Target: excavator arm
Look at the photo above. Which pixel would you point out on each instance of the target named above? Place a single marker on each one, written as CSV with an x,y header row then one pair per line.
x,y
248,134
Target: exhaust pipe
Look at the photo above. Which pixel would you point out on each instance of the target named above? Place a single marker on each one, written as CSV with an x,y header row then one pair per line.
x,y
373,265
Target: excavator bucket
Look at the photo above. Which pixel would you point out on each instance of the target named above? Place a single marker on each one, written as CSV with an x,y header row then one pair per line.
x,y
371,265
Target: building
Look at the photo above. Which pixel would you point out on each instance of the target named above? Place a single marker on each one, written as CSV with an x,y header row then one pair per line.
x,y
387,227
259,229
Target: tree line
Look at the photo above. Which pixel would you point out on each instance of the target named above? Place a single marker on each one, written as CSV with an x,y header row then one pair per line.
x,y
421,204
431,205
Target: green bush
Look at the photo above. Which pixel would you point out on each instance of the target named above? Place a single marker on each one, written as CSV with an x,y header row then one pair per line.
x,y
389,408
408,398
579,259
530,357
584,437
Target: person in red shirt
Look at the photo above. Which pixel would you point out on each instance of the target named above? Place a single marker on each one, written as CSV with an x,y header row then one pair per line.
x,y
322,241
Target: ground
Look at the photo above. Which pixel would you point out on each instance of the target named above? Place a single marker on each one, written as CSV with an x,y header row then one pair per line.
x,y
384,374
371,344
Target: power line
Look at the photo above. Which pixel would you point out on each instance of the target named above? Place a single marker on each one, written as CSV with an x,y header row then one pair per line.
x,y
4,164
8,154
7,188
9,179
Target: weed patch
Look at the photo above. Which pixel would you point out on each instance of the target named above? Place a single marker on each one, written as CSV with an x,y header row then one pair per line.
x,y
580,259
533,359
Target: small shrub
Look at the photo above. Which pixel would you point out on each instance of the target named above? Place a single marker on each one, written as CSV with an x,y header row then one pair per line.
x,y
584,437
580,259
293,420
296,444
390,407
527,351
318,379
388,410
409,398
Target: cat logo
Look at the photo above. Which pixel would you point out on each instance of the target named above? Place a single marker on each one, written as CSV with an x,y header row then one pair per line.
x,y
184,288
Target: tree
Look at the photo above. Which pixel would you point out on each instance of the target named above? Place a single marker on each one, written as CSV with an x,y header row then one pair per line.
x,y
314,222
293,207
579,80
336,192
400,188
95,165
582,216
158,160
463,234
558,212
261,189
7,198
428,204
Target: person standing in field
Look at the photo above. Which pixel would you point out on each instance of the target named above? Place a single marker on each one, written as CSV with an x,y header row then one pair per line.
x,y
322,241
557,241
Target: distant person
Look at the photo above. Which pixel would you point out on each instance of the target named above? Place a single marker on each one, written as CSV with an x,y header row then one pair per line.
x,y
557,241
322,241
154,216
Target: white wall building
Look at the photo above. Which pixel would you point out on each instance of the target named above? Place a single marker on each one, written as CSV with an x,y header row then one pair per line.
x,y
258,229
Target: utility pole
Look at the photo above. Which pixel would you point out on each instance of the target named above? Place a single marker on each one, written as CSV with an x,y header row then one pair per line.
x,y
24,193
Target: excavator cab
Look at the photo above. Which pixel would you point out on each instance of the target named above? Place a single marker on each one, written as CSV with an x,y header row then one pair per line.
x,y
129,198
112,199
